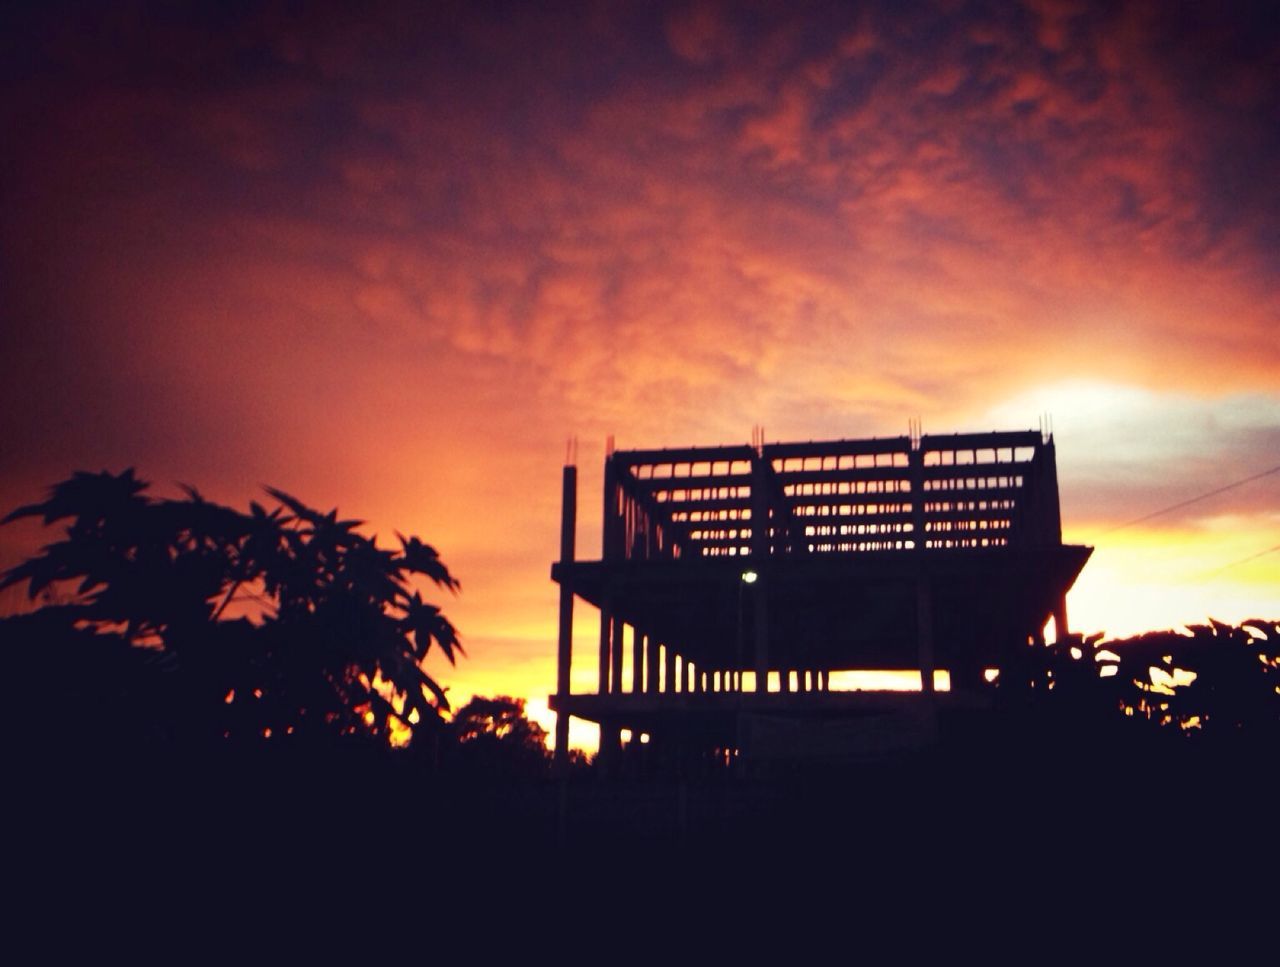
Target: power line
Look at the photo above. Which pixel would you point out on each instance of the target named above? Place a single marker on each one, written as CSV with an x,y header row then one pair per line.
x,y
1243,560
1195,500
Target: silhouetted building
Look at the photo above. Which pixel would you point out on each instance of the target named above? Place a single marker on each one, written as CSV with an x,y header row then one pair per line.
x,y
736,581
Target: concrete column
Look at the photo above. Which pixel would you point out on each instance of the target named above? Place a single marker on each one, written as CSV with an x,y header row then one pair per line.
x,y
759,562
924,633
610,747
651,665
611,549
761,639
606,632
1060,618
637,661
564,648
915,461
615,676
668,669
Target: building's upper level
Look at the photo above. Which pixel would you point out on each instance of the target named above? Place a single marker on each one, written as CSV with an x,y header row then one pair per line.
x,y
931,492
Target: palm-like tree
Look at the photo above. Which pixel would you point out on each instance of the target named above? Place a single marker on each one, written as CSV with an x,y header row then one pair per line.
x,y
274,622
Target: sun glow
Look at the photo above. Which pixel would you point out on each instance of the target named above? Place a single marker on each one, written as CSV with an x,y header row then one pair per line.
x,y
1145,579
898,680
399,725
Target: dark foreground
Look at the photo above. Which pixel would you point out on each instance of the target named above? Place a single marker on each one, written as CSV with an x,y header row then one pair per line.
x,y
982,837
982,797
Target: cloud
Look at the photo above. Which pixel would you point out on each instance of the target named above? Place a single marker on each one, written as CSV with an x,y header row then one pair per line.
x,y
1126,452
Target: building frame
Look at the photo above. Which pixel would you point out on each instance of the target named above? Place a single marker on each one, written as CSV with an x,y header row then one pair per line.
x,y
921,552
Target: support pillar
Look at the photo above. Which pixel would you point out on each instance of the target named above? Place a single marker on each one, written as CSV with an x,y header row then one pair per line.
x,y
759,562
668,669
610,747
924,588
761,637
651,665
564,646
924,633
606,631
637,661
615,671
1060,619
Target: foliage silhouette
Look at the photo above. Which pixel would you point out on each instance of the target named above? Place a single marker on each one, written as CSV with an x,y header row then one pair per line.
x,y
494,736
1215,683
220,624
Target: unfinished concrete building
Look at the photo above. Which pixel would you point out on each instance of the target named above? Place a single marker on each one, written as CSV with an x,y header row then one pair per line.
x,y
736,583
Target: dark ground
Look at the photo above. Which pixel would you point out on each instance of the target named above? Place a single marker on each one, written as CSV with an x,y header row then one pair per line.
x,y
979,796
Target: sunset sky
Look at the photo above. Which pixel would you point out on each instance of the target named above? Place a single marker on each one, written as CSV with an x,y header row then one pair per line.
x,y
389,257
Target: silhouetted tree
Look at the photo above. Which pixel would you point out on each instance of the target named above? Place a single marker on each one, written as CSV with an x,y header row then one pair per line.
x,y
1215,681
329,634
495,736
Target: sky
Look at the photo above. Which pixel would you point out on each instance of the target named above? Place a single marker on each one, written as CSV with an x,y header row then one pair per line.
x,y
390,258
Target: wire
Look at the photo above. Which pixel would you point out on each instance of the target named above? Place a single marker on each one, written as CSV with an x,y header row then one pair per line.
x,y
1196,500
1243,560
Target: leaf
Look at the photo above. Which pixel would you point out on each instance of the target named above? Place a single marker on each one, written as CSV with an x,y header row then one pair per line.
x,y
1265,629
86,495
28,510
423,559
434,687
304,512
428,624
416,698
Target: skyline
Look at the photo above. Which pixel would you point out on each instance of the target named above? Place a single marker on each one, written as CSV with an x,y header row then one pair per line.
x,y
391,261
